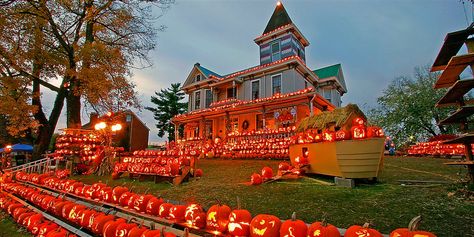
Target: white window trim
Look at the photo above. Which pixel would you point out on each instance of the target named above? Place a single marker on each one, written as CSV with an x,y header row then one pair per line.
x,y
259,88
194,102
281,82
205,97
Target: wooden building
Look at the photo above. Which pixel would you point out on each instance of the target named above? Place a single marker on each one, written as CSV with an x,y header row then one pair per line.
x,y
134,133
276,94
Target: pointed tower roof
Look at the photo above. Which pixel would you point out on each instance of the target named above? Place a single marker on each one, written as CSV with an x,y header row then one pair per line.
x,y
279,18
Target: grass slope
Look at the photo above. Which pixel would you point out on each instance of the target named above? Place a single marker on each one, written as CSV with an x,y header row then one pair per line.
x,y
387,204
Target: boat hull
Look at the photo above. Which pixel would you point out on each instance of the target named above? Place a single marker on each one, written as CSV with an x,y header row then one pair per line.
x,y
353,159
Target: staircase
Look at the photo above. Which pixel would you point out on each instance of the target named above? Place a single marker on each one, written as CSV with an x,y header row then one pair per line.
x,y
41,166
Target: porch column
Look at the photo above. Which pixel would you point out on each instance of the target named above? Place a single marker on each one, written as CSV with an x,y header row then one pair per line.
x,y
227,123
202,127
176,132
264,111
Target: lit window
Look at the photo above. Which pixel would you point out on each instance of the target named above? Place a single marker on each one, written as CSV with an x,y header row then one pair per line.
x,y
276,84
255,89
208,98
276,51
197,100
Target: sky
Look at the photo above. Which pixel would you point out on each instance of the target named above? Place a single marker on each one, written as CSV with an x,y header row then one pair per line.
x,y
374,40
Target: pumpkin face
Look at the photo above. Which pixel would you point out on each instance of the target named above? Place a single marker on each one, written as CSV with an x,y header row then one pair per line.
x,y
123,229
239,223
405,232
153,206
358,132
283,166
165,210
329,136
192,211
137,231
46,228
267,173
318,229
131,201
218,218
293,228
343,135
265,226
177,213
256,179
111,226
99,223
124,198
361,231
141,202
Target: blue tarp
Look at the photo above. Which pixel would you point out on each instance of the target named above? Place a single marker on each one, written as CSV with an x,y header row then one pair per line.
x,y
20,147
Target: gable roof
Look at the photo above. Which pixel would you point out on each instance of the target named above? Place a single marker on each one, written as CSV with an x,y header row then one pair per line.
x,y
329,71
278,19
207,72
332,71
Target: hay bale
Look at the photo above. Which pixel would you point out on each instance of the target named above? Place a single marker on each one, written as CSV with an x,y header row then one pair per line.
x,y
339,117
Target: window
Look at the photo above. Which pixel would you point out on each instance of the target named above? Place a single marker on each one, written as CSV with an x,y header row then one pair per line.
x,y
327,95
259,122
231,93
255,90
198,77
276,84
197,100
276,51
208,98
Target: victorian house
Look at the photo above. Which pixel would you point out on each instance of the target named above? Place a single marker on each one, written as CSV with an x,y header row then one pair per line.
x,y
276,94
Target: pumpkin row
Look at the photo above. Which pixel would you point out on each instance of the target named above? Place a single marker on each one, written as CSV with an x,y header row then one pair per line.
x,y
99,223
436,148
34,222
219,219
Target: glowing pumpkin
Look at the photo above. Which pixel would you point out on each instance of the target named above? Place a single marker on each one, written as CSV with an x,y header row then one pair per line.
x,y
362,231
218,218
164,210
177,213
123,229
117,193
110,227
284,166
265,226
153,206
256,179
329,136
343,135
412,231
192,211
239,222
293,228
318,229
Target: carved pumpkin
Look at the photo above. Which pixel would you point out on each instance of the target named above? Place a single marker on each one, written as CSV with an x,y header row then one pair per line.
x,y
34,220
374,131
343,135
301,160
358,132
165,210
198,173
23,216
153,206
151,233
267,173
283,166
412,231
125,198
293,228
362,231
131,201
59,232
123,229
117,193
141,202
46,228
111,226
319,229
192,211
329,136
265,226
99,223
256,179
18,211
218,218
177,213
137,231
67,209
239,222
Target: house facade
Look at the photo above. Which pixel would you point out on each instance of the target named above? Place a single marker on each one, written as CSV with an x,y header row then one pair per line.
x,y
275,94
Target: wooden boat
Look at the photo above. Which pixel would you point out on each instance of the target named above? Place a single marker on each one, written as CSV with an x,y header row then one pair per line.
x,y
352,159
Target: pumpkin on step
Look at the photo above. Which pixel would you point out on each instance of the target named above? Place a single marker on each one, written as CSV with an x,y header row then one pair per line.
x,y
265,226
412,230
293,228
318,229
362,231
218,217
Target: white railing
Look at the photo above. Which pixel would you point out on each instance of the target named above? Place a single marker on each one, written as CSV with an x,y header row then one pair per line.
x,y
41,166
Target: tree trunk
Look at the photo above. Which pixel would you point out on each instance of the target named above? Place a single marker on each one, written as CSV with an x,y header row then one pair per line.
x,y
73,111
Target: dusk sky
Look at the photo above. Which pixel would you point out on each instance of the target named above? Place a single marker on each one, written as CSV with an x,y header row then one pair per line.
x,y
375,41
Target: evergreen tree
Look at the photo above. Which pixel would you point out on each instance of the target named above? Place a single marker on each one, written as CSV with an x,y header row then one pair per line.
x,y
168,104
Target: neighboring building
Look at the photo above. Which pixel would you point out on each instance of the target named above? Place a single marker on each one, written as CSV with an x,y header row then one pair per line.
x,y
134,133
277,93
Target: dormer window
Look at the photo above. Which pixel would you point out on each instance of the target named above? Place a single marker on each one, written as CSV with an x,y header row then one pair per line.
x,y
276,51
198,77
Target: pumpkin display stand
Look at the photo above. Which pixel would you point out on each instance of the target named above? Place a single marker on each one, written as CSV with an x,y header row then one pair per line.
x,y
338,143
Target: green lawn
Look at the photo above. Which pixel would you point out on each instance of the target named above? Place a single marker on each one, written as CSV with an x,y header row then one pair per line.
x,y
8,228
387,204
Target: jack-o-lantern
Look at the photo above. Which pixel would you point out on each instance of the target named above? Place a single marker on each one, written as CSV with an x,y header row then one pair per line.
x,y
283,166
141,202
218,218
412,230
153,206
111,226
164,210
362,231
265,226
137,231
125,198
239,222
117,193
177,213
123,229
267,173
318,229
343,135
301,160
374,131
293,228
329,136
358,130
192,210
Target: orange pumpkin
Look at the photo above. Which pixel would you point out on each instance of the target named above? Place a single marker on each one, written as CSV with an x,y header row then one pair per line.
x,y
362,231
192,211
117,193
153,206
164,210
218,218
412,231
111,226
293,227
177,213
267,173
256,179
320,229
239,222
265,226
